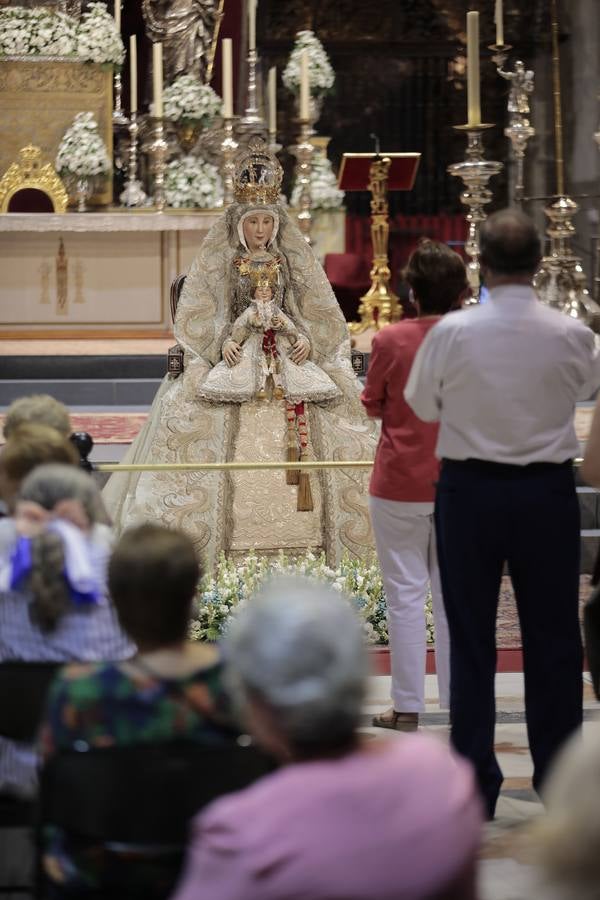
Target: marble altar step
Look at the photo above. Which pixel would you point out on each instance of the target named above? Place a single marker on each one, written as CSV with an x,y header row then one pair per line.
x,y
96,380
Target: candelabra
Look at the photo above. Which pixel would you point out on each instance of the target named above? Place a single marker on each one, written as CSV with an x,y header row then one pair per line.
x,y
118,116
303,151
272,144
560,281
475,172
158,152
252,121
519,129
133,193
380,305
229,147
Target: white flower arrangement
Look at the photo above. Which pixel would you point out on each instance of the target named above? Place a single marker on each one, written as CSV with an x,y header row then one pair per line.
x,y
188,100
234,583
324,191
191,182
82,152
97,37
321,76
44,32
36,32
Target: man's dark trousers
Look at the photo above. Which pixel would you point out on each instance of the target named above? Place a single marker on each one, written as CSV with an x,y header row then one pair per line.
x,y
485,514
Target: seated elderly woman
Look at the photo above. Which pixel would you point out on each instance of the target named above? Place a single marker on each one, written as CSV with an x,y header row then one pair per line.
x,y
53,599
171,689
388,818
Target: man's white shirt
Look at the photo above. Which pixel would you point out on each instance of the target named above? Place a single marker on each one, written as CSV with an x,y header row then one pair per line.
x,y
503,379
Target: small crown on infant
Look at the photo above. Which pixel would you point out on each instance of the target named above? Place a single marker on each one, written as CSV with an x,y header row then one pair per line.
x,y
263,277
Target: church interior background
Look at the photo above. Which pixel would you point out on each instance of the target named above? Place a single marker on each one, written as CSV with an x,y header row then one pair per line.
x,y
84,295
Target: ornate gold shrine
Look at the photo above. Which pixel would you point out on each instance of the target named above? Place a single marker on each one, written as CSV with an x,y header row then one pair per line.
x,y
39,100
30,172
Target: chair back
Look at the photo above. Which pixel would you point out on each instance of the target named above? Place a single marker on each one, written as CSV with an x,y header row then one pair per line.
x,y
144,794
175,294
23,690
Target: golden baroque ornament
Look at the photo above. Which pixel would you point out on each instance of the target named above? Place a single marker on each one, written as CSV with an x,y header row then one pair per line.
x,y
30,172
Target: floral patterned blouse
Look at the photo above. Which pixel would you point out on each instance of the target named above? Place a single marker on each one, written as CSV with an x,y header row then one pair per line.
x,y
103,706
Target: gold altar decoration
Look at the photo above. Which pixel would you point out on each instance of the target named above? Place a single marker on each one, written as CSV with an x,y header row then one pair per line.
x,y
378,172
30,172
380,305
40,97
560,281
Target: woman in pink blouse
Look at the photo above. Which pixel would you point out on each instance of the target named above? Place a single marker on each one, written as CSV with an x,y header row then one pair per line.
x,y
393,819
402,487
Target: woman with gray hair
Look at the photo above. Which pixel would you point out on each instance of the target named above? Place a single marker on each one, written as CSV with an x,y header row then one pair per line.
x,y
391,818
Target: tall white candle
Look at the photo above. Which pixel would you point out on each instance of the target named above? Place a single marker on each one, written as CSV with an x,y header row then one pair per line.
x,y
498,16
473,102
133,73
252,24
118,15
304,89
227,77
157,79
272,92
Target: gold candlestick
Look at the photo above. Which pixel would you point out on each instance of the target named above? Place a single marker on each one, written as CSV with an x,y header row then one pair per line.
x,y
380,305
303,151
158,152
475,172
229,147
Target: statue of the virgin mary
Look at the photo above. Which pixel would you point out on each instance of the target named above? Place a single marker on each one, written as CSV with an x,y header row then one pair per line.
x,y
280,387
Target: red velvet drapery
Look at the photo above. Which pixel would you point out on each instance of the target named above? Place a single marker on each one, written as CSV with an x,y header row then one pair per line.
x,y
405,232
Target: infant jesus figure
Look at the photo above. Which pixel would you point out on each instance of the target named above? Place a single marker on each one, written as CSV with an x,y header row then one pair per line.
x,y
266,337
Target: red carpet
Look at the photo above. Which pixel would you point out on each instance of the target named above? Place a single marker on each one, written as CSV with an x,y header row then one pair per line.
x,y
106,427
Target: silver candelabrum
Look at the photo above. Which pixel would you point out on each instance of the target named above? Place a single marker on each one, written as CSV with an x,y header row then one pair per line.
x,y
519,129
133,193
252,121
229,148
560,281
303,151
475,172
158,152
118,116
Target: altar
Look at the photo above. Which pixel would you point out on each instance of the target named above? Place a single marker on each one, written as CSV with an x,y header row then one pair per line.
x,y
98,272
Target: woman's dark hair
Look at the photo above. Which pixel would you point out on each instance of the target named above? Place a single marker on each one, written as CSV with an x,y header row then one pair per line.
x,y
437,276
510,244
152,577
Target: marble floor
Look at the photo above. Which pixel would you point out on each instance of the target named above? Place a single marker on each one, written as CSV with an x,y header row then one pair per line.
x,y
507,870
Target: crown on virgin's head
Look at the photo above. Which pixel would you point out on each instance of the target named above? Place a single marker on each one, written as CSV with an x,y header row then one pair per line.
x,y
258,175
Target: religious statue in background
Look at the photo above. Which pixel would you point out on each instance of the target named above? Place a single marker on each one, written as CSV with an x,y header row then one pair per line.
x,y
187,31
521,85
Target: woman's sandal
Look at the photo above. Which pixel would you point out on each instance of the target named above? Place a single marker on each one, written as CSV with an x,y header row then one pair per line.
x,y
397,721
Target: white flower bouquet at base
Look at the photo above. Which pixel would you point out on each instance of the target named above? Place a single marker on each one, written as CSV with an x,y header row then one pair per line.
x,y
82,152
324,192
188,100
321,76
191,182
235,582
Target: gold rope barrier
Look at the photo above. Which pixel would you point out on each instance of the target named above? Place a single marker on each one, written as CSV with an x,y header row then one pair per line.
x,y
235,466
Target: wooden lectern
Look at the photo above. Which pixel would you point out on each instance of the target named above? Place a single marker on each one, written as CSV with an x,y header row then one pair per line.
x,y
378,173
